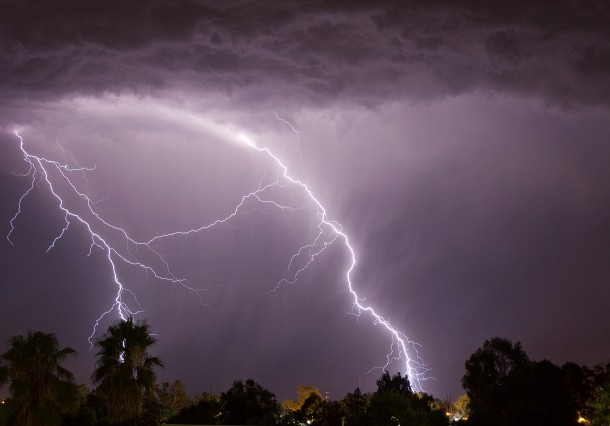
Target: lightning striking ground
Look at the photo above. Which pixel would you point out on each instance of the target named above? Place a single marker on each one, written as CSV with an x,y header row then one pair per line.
x,y
81,209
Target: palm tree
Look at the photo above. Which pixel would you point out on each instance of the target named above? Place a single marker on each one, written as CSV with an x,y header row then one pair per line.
x,y
41,389
125,370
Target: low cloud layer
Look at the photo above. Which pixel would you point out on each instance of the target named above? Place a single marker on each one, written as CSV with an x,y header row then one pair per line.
x,y
310,52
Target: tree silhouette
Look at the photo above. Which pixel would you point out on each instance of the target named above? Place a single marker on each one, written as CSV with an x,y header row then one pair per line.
x,y
41,389
248,404
396,383
355,405
506,388
125,370
491,380
207,410
394,403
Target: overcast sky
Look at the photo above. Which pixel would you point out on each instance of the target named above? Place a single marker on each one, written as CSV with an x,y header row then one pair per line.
x,y
463,146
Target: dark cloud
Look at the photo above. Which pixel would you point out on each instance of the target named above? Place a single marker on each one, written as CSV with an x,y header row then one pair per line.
x,y
365,52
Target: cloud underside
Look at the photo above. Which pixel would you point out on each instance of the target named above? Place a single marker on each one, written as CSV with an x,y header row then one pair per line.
x,y
310,52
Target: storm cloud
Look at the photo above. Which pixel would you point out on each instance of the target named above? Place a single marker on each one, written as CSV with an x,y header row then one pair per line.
x,y
309,51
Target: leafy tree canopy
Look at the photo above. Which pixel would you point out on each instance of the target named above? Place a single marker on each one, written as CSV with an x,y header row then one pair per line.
x,y
125,370
248,404
41,389
303,392
506,388
396,383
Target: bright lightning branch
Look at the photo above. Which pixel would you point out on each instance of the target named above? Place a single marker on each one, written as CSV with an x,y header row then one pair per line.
x,y
77,207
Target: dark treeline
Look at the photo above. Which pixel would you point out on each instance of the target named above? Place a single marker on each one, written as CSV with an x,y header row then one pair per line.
x,y
393,403
503,387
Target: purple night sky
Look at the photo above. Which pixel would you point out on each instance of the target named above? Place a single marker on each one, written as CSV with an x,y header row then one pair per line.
x,y
464,147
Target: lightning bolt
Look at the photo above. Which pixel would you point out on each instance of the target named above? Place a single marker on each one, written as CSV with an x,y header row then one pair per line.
x,y
102,233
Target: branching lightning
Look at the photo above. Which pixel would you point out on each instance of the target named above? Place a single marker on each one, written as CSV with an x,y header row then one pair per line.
x,y
51,174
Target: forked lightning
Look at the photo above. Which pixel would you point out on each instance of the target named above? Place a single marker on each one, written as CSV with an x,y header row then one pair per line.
x,y
103,235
